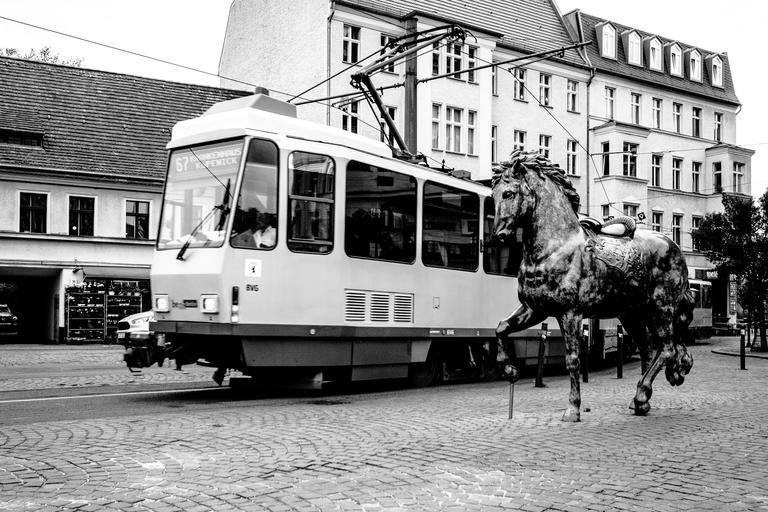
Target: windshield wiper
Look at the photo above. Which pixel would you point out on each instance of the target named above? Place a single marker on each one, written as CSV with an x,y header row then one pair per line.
x,y
224,207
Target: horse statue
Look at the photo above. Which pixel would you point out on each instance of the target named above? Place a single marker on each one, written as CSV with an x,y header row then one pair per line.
x,y
571,271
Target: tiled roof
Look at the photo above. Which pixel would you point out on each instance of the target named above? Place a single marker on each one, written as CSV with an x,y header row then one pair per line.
x,y
95,121
619,66
527,25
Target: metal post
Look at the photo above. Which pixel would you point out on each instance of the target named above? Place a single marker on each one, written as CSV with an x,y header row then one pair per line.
x,y
619,352
511,397
585,353
743,351
540,363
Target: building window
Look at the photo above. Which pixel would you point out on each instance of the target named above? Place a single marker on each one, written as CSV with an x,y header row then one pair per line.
x,y
635,55
606,211
572,98
311,180
677,169
695,176
635,108
656,107
350,46
519,140
544,144
717,177
655,51
544,83
450,222
630,159
453,120
738,176
717,72
570,157
385,40
677,224
695,224
696,122
349,116
494,143
471,64
630,210
471,119
609,42
657,221
137,219
606,157
675,60
81,211
518,91
677,116
656,170
33,212
435,58
718,136
386,136
695,65
453,59
610,94
494,81
436,109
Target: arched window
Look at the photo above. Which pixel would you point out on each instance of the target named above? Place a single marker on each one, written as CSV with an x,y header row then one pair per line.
x,y
634,54
717,71
609,42
695,65
655,54
675,60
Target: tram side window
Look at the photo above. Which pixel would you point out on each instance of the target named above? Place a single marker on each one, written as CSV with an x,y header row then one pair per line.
x,y
499,259
380,214
450,223
255,222
310,202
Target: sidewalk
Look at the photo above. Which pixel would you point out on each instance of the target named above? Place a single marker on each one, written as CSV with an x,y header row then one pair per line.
x,y
729,346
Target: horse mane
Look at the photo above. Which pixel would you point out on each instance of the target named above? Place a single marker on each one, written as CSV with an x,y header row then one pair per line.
x,y
521,162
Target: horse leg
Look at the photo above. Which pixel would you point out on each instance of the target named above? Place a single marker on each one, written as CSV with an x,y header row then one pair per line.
x,y
521,318
570,326
636,328
661,332
682,361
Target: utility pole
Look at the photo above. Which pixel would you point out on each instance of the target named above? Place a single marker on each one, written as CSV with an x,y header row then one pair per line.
x,y
410,112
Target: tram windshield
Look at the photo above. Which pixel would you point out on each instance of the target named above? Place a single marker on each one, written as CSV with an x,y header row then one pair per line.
x,y
198,193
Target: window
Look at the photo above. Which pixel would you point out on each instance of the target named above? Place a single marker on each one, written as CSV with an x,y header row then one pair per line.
x,y
657,103
717,177
696,122
630,159
137,219
385,40
677,115
610,94
606,157
494,81
471,119
635,108
544,83
519,140
435,58
453,59
19,138
450,224
695,176
717,71
606,211
654,49
675,60
499,259
494,143
518,90
350,46
349,116
609,42
657,221
630,210
471,64
453,129
311,180
635,55
677,169
572,97
656,170
544,144
33,212
386,136
380,216
570,157
677,224
695,224
436,109
81,216
695,65
738,176
718,136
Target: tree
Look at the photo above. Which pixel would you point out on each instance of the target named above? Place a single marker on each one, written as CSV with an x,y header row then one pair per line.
x,y
44,55
736,241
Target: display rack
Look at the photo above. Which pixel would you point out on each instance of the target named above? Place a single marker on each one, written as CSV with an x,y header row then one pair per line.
x,y
120,304
85,313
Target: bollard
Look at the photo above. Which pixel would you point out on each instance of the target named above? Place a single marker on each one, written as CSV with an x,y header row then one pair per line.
x,y
511,397
619,352
585,353
742,352
540,362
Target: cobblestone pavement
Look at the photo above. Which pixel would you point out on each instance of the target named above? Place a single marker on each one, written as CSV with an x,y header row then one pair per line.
x,y
704,446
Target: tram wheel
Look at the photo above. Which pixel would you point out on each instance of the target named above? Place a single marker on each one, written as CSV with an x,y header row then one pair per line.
x,y
424,374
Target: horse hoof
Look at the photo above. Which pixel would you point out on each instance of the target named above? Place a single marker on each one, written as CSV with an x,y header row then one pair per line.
x,y
641,409
572,416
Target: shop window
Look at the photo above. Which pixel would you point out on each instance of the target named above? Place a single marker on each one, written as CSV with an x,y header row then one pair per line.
x,y
310,202
499,259
450,227
33,212
81,216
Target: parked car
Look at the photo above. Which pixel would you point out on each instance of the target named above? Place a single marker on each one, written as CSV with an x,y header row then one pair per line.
x,y
141,344
135,327
8,321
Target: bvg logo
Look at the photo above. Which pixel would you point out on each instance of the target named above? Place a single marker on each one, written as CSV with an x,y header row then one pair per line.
x,y
251,287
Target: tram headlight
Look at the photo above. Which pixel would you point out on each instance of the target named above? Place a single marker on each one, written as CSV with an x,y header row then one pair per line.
x,y
209,303
161,303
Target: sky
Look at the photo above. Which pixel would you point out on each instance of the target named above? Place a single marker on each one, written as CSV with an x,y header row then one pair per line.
x,y
191,33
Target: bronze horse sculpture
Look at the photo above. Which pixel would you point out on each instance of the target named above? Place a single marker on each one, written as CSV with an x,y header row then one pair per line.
x,y
572,272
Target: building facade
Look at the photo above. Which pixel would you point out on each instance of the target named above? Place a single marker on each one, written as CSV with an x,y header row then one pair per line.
x,y
82,163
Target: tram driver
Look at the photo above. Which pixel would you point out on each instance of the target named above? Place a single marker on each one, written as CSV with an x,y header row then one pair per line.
x,y
262,234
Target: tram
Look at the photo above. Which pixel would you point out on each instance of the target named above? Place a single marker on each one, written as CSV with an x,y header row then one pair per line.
x,y
291,249
701,327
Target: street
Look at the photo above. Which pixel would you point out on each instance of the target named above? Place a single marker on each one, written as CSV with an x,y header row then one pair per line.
x,y
106,439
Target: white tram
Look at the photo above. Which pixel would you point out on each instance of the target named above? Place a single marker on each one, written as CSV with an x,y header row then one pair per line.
x,y
290,248
701,327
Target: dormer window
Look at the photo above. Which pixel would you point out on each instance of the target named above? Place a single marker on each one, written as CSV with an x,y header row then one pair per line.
x,y
675,60
21,138
717,71
694,63
634,53
609,42
654,51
